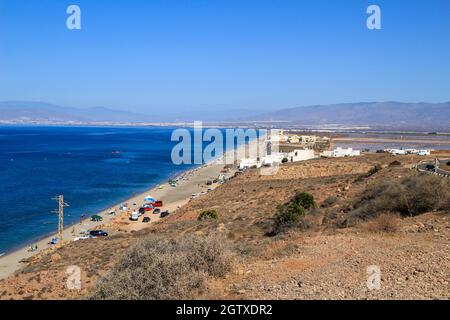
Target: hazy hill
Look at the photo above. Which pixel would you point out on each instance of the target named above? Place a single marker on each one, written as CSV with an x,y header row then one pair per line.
x,y
29,111
389,114
24,111
392,115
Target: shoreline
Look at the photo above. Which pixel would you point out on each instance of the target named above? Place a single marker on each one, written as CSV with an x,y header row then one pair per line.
x,y
190,181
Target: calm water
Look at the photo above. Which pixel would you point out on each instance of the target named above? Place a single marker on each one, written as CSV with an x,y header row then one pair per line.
x,y
93,167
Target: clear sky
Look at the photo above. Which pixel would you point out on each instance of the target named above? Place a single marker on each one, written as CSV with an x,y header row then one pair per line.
x,y
167,55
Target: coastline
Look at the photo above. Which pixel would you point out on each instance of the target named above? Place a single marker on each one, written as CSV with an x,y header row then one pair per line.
x,y
191,181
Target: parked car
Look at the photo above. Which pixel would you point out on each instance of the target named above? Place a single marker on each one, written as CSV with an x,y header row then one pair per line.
x,y
148,207
98,233
146,220
157,204
164,214
83,237
157,211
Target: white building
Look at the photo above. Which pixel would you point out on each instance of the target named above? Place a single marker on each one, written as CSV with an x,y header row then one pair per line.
x,y
402,152
273,159
308,139
411,151
300,155
340,153
396,151
249,163
293,139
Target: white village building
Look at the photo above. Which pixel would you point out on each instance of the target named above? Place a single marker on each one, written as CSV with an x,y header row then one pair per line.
x,y
408,151
249,163
340,153
300,155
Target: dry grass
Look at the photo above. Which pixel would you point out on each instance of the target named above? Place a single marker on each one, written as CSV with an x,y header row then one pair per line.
x,y
385,223
161,269
408,196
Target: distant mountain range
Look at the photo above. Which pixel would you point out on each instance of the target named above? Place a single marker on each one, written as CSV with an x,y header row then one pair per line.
x,y
25,111
392,115
372,114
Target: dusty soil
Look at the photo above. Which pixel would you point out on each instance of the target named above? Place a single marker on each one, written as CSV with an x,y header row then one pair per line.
x,y
318,262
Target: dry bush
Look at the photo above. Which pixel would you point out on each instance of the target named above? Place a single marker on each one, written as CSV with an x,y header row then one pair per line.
x,y
376,168
395,163
386,223
162,269
208,214
329,202
409,196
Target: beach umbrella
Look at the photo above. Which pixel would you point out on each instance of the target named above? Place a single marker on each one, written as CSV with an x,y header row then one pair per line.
x,y
149,199
96,218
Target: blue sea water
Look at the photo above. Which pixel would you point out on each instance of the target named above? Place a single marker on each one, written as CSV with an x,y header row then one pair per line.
x,y
93,167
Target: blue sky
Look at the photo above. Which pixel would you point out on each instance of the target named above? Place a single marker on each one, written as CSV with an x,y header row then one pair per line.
x,y
170,56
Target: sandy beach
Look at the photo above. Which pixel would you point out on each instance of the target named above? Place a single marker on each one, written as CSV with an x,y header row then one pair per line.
x,y
191,183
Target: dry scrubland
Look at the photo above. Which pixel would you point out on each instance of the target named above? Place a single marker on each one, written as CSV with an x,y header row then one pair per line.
x,y
265,237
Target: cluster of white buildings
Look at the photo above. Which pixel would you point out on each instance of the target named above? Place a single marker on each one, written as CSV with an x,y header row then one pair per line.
x,y
340,153
276,158
408,151
305,140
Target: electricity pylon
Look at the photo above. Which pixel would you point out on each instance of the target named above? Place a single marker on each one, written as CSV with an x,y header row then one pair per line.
x,y
61,205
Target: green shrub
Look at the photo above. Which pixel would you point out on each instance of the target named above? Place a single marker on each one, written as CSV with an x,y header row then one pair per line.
x,y
285,160
208,214
305,200
289,214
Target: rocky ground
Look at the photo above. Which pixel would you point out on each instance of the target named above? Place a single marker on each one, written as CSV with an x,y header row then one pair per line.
x,y
318,261
414,264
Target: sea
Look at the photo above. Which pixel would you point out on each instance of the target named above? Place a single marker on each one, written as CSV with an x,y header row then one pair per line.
x,y
93,167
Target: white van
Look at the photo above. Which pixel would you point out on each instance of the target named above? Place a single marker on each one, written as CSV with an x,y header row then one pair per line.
x,y
424,153
134,216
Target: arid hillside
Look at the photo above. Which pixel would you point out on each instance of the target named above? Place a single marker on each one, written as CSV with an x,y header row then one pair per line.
x,y
373,210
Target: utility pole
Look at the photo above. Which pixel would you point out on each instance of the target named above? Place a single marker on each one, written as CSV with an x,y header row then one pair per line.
x,y
61,205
